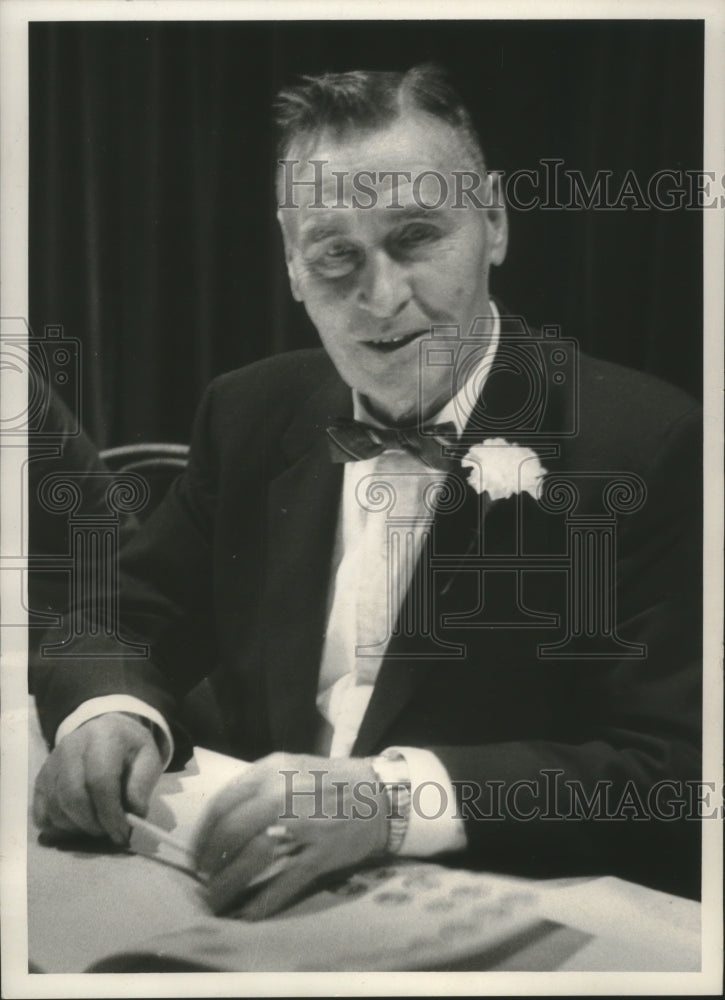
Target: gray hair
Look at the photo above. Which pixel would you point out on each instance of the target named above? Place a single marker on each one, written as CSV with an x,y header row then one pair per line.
x,y
366,100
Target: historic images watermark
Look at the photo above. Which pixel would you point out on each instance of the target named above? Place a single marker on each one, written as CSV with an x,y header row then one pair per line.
x,y
549,796
550,186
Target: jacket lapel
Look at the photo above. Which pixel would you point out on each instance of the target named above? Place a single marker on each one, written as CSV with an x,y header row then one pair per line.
x,y
302,510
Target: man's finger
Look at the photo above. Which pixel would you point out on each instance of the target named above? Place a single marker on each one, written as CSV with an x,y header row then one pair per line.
x,y
302,872
71,799
58,820
142,777
44,792
104,785
40,803
61,802
238,790
230,833
231,880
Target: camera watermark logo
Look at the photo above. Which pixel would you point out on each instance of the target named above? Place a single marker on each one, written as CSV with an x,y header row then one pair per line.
x,y
439,535
47,363
530,373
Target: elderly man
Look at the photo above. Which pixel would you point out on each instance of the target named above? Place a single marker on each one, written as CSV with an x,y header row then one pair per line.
x,y
445,572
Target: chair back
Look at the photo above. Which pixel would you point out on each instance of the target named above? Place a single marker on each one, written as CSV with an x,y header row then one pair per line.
x,y
159,463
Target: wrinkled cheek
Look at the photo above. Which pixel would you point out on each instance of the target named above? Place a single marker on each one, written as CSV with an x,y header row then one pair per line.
x,y
444,290
329,308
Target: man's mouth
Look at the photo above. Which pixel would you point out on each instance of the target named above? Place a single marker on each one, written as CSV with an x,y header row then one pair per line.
x,y
387,345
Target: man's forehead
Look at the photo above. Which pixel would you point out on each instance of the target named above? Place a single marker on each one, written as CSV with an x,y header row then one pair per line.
x,y
417,142
407,163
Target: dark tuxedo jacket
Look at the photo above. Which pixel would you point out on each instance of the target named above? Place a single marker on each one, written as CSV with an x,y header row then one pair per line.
x,y
229,578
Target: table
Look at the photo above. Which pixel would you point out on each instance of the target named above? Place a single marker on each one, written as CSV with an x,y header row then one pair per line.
x,y
91,908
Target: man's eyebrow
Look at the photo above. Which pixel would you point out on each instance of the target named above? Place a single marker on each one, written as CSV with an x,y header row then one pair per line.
x,y
316,230
411,213
416,212
320,229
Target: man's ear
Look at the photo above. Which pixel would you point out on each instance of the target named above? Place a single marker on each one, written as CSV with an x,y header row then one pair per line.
x,y
497,219
288,240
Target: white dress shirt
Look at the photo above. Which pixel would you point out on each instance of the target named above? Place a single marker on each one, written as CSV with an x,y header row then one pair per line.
x,y
364,599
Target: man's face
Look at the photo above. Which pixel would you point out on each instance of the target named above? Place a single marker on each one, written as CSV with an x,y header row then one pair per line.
x,y
374,280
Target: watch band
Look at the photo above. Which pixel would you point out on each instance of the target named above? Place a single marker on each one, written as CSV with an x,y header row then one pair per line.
x,y
394,775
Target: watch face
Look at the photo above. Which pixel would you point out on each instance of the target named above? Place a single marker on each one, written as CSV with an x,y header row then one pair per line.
x,y
393,768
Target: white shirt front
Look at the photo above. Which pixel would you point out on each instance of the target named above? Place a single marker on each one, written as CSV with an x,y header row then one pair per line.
x,y
358,628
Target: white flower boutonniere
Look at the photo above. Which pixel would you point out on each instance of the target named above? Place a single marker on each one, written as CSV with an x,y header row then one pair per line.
x,y
503,469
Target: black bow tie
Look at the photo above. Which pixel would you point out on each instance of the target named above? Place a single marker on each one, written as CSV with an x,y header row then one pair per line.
x,y
355,441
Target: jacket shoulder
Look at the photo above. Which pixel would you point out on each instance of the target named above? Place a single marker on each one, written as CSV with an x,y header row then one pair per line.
x,y
256,405
272,389
635,390
290,376
629,413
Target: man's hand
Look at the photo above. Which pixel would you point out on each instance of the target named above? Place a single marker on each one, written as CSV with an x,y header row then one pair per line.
x,y
333,811
108,765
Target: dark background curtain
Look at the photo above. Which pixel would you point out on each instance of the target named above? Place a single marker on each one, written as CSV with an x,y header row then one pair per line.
x,y
152,230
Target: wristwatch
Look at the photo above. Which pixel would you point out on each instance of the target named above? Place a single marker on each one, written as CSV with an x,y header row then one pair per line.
x,y
393,773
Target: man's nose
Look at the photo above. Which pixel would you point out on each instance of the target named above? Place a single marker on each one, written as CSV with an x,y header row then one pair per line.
x,y
384,288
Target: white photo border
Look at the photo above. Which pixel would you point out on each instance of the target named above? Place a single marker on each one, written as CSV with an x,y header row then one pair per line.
x,y
14,18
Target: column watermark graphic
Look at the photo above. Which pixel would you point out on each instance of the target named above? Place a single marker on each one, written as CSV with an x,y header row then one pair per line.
x,y
92,561
71,518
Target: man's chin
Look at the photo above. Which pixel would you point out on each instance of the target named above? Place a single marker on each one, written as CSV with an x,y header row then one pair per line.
x,y
399,397
396,410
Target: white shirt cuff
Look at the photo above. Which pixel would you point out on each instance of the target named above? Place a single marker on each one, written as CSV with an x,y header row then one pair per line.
x,y
94,707
433,826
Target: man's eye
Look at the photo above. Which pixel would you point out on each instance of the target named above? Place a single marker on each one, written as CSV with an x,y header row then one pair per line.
x,y
337,251
334,259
